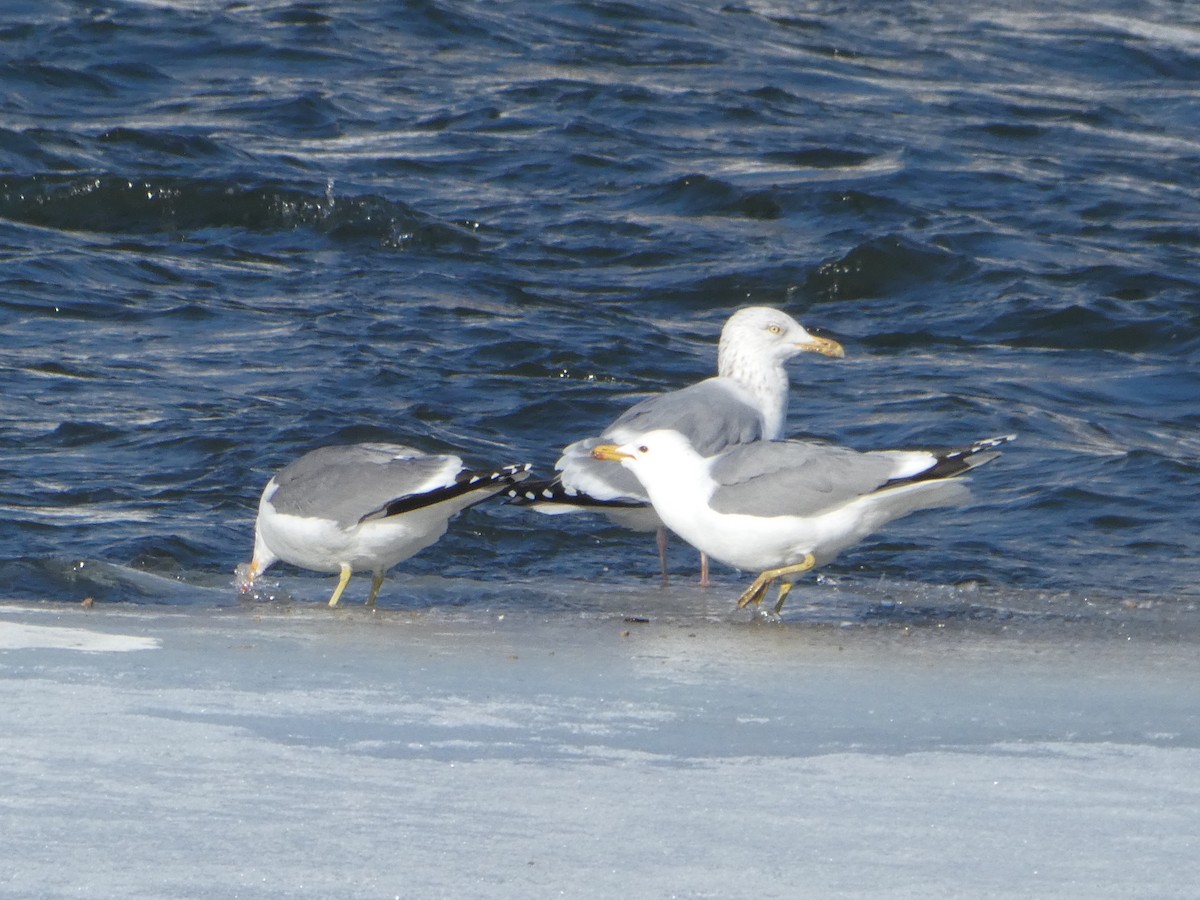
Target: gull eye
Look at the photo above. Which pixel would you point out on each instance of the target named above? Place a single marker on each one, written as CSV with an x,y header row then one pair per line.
x,y
643,449
774,329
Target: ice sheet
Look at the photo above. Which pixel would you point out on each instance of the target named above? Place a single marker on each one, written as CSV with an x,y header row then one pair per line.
x,y
25,636
279,750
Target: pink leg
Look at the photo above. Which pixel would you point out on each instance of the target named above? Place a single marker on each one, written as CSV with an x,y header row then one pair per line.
x,y
662,556
704,582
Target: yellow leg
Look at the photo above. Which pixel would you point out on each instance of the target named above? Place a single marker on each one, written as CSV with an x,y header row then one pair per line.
x,y
376,584
785,588
756,591
343,580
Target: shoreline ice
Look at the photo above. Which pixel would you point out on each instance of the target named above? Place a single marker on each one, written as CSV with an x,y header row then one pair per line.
x,y
280,751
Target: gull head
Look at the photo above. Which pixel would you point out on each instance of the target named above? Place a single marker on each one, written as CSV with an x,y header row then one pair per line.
x,y
763,333
660,451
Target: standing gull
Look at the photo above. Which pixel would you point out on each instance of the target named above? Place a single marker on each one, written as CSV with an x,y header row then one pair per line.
x,y
745,401
784,507
363,507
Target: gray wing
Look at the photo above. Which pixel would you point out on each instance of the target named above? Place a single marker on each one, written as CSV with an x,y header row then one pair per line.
x,y
346,483
794,478
711,414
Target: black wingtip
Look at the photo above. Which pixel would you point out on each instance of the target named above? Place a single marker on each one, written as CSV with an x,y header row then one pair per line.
x,y
981,446
466,482
533,492
552,492
959,460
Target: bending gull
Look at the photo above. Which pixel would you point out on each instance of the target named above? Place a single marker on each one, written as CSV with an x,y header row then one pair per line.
x,y
784,507
746,401
363,507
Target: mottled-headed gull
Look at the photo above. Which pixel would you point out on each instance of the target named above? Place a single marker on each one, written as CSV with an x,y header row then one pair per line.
x,y
745,401
364,507
784,507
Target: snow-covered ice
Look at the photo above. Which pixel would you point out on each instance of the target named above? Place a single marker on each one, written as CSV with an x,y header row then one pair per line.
x,y
286,750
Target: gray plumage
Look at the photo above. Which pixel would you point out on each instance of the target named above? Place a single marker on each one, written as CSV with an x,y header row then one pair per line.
x,y
363,507
784,507
347,484
782,478
746,401
688,411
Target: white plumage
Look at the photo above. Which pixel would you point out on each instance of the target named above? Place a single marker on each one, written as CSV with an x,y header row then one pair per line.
x,y
363,507
784,507
745,401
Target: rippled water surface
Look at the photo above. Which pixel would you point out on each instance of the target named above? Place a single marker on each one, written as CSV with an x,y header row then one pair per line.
x,y
232,232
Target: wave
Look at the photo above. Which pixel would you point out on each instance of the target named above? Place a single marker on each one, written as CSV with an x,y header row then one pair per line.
x,y
114,204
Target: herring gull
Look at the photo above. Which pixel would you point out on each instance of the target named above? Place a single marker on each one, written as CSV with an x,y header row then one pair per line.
x,y
746,401
364,507
783,507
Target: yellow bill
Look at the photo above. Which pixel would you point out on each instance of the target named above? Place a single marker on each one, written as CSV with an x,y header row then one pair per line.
x,y
609,452
824,346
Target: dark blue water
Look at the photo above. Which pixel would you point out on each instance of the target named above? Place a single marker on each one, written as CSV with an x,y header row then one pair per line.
x,y
232,232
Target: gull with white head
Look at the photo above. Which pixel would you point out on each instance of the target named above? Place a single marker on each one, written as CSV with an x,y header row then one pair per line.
x,y
746,401
364,507
782,508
